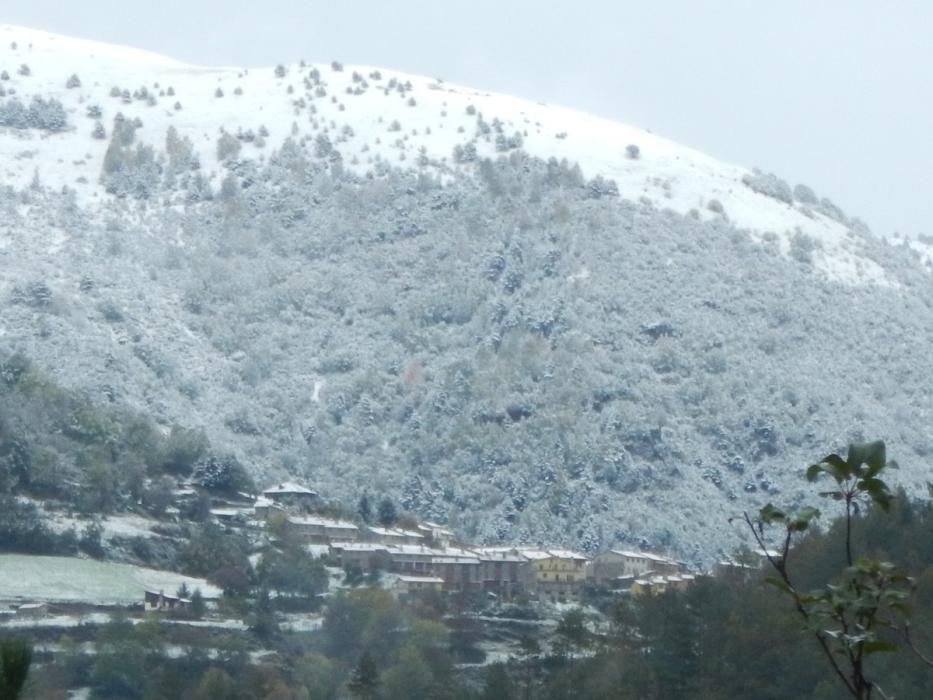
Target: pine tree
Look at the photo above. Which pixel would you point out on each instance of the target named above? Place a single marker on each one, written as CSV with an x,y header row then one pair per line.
x,y
388,514
365,509
364,683
15,659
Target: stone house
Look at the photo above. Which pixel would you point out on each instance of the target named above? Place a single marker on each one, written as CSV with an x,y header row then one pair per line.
x,y
313,529
615,563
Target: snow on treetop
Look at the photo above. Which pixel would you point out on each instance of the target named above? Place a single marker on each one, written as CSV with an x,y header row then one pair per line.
x,y
371,117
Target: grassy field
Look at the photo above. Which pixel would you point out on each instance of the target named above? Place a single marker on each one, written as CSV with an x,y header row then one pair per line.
x,y
73,580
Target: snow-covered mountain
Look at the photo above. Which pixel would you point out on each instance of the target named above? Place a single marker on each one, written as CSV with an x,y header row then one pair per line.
x,y
534,323
372,115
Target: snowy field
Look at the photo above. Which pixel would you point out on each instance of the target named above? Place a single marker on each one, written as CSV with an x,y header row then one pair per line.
x,y
73,580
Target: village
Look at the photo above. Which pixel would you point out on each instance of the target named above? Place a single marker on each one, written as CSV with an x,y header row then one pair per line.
x,y
406,557
413,556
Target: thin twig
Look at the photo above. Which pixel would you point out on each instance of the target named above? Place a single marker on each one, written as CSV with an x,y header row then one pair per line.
x,y
910,645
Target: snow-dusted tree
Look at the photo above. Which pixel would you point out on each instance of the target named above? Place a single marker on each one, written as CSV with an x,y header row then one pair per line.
x,y
228,147
73,82
129,169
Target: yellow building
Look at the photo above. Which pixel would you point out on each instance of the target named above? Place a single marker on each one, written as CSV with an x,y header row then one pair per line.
x,y
558,574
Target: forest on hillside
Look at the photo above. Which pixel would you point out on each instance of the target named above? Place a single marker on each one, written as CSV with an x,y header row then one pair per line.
x,y
522,354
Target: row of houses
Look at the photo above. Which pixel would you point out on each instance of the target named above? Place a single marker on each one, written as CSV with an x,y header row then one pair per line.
x,y
427,556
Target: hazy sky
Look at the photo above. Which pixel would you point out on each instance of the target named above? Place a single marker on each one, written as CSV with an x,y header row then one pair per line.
x,y
837,94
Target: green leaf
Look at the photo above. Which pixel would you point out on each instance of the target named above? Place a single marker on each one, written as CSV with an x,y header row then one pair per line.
x,y
876,645
834,465
779,583
872,454
803,518
770,514
877,490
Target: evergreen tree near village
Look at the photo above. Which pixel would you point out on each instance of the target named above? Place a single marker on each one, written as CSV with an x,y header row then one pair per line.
x,y
15,659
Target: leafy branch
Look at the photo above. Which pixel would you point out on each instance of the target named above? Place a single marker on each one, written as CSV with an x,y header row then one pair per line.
x,y
847,617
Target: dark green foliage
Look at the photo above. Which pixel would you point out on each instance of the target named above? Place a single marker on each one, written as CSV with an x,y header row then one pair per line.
x,y
15,660
498,684
93,454
22,530
223,473
387,512
365,509
862,609
293,572
262,620
211,549
198,607
364,683
182,449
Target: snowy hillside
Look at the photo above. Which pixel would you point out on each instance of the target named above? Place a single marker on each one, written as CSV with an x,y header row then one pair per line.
x,y
532,324
375,117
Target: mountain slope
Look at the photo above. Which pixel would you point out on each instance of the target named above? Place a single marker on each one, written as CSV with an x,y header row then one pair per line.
x,y
374,116
546,338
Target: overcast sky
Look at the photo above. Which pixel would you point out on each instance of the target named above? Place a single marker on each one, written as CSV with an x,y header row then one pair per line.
x,y
837,94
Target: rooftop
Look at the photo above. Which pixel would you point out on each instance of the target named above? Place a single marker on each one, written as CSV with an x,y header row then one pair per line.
x,y
322,522
420,579
642,555
289,488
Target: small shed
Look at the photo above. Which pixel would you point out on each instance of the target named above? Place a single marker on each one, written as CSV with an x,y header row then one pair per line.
x,y
159,601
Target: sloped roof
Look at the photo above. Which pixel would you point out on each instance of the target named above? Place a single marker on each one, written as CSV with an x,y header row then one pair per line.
x,y
289,488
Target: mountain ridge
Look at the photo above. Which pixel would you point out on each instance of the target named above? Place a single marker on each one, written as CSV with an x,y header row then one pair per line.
x,y
399,120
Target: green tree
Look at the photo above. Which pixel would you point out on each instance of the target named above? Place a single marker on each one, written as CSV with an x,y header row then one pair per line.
x,y
365,509
498,684
293,571
410,677
572,634
198,607
15,659
216,684
319,675
388,513
364,681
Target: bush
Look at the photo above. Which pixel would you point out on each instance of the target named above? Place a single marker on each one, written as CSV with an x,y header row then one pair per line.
x,y
48,115
228,147
73,82
805,195
770,185
223,473
632,152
